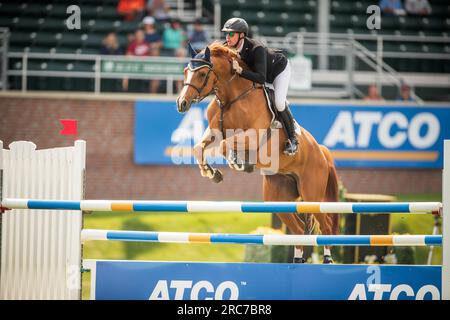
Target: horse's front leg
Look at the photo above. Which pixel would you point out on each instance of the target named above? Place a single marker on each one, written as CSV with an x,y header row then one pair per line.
x,y
236,149
206,170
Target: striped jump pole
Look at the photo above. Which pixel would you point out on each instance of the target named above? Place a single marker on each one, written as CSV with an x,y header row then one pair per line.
x,y
226,206
288,240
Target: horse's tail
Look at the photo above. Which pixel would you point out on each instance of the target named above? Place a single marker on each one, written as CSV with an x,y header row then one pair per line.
x,y
332,194
332,191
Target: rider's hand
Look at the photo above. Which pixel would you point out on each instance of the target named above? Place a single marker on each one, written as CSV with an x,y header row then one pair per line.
x,y
237,67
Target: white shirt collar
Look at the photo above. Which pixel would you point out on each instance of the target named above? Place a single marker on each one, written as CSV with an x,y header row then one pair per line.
x,y
241,46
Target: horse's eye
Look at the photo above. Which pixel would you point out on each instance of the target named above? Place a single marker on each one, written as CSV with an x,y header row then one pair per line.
x,y
202,74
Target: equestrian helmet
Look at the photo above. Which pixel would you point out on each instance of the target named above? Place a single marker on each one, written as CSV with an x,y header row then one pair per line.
x,y
236,24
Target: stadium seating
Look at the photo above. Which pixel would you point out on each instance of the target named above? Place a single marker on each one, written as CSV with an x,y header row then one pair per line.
x,y
39,26
350,17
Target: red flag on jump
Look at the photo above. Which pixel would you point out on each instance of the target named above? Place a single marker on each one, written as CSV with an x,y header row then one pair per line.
x,y
70,127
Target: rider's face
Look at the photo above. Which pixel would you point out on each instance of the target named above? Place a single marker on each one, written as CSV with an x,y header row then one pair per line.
x,y
232,38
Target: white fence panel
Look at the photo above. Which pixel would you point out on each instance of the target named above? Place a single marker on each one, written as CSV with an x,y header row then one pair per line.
x,y
40,249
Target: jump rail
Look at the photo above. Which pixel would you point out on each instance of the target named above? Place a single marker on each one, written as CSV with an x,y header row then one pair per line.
x,y
226,206
304,240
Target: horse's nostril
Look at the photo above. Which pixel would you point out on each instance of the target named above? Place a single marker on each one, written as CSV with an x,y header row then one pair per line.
x,y
183,104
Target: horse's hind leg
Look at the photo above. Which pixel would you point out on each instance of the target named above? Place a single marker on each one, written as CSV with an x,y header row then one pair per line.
x,y
313,188
283,188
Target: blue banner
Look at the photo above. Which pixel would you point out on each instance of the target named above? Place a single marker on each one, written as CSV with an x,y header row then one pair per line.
x,y
144,280
359,136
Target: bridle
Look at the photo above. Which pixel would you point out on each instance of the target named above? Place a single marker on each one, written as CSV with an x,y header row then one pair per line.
x,y
207,64
203,64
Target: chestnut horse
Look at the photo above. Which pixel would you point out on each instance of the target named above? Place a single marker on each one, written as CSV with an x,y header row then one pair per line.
x,y
309,175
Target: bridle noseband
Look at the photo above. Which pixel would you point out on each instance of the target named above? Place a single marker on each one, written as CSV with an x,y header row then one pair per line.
x,y
202,64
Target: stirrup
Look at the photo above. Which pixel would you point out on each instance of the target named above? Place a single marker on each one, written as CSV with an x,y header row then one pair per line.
x,y
276,125
291,147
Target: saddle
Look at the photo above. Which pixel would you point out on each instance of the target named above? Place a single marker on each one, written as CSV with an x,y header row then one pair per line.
x,y
240,165
276,123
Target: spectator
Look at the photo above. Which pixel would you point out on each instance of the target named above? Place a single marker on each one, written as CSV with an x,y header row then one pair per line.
x,y
138,47
405,93
198,37
110,45
131,10
153,38
174,40
158,9
418,7
130,38
373,94
392,7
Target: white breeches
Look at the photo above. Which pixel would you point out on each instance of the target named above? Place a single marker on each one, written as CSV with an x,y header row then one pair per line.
x,y
281,86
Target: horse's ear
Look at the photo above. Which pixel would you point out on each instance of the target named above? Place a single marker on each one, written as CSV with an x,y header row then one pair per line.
x,y
192,51
207,54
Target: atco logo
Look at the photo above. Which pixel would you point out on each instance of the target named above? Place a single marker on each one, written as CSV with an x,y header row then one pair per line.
x,y
188,290
380,291
393,129
373,289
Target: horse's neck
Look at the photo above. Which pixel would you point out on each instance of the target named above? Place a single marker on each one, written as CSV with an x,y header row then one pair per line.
x,y
250,108
231,88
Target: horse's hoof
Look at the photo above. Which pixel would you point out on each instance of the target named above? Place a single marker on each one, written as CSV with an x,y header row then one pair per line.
x,y
217,176
327,260
249,168
299,260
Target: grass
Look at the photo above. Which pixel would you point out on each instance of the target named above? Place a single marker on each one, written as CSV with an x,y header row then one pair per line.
x,y
214,223
418,224
197,222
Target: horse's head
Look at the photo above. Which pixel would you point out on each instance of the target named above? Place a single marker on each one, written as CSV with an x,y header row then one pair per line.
x,y
207,72
199,79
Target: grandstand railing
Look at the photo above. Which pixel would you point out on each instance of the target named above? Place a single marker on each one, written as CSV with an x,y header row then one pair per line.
x,y
161,68
292,38
376,62
343,45
183,9
349,47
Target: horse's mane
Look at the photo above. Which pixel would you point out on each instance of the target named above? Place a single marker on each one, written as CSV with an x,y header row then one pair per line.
x,y
219,50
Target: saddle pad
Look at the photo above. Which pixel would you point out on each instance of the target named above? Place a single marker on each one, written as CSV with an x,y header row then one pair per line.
x,y
270,98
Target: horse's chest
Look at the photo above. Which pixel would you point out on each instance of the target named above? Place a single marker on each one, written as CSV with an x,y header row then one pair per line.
x,y
230,121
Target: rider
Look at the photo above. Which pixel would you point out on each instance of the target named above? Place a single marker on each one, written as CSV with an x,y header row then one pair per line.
x,y
266,66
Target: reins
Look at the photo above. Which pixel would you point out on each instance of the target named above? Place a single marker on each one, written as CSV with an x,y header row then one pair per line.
x,y
215,89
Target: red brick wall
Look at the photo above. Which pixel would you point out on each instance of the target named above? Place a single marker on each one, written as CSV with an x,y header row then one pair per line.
x,y
107,126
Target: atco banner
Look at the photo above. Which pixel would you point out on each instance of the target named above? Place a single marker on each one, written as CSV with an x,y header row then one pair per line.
x,y
359,136
146,280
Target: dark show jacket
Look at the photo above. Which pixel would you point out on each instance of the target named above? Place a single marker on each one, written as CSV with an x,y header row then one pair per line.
x,y
265,63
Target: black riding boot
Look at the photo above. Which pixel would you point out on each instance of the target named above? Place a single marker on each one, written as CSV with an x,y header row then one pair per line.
x,y
291,145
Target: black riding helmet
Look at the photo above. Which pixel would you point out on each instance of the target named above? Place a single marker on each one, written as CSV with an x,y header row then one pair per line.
x,y
236,25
